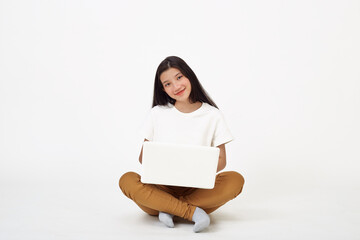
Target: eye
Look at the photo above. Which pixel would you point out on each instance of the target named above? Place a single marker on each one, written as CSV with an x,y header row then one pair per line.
x,y
179,77
166,84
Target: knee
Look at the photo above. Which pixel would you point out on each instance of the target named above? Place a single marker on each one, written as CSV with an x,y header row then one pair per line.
x,y
127,179
237,181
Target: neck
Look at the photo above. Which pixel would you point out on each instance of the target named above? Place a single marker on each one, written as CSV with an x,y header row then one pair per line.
x,y
187,107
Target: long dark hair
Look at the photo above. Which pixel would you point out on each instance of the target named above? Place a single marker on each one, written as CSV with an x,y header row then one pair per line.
x,y
198,93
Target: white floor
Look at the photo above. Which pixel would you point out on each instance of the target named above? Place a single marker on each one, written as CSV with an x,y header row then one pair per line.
x,y
60,210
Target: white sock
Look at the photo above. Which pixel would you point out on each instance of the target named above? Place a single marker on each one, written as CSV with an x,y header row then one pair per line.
x,y
201,219
167,219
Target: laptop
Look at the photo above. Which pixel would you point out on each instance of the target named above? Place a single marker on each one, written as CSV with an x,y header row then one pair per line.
x,y
179,165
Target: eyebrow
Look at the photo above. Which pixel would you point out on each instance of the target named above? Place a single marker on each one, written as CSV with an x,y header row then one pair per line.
x,y
174,76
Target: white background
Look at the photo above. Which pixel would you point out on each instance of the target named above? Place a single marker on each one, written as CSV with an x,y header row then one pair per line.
x,y
76,80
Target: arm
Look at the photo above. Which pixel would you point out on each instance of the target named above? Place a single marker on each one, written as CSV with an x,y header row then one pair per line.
x,y
140,157
222,158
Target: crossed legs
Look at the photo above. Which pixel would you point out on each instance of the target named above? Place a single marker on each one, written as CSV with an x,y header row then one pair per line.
x,y
179,201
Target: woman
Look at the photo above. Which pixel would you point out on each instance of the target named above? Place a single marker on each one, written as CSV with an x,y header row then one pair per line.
x,y
183,113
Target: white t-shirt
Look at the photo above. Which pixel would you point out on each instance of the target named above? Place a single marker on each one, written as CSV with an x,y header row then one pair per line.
x,y
205,126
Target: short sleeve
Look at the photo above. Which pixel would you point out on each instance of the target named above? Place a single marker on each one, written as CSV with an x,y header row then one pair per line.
x,y
147,128
222,133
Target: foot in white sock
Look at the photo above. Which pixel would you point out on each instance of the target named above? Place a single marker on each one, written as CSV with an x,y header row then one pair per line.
x,y
167,219
201,219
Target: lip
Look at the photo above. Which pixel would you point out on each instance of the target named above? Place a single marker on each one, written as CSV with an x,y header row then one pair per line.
x,y
181,92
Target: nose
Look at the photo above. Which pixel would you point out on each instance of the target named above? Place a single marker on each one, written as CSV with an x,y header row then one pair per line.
x,y
176,86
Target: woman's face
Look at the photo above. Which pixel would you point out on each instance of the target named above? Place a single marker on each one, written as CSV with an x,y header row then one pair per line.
x,y
176,85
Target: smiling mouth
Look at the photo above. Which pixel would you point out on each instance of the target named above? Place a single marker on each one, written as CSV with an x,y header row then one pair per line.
x,y
179,93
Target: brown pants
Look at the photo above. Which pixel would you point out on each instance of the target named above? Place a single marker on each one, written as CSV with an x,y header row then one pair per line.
x,y
181,201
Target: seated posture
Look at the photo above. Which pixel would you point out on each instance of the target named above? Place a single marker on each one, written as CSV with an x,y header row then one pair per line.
x,y
183,113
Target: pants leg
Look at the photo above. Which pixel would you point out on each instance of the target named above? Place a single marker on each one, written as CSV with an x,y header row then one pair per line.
x,y
228,185
149,211
152,199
